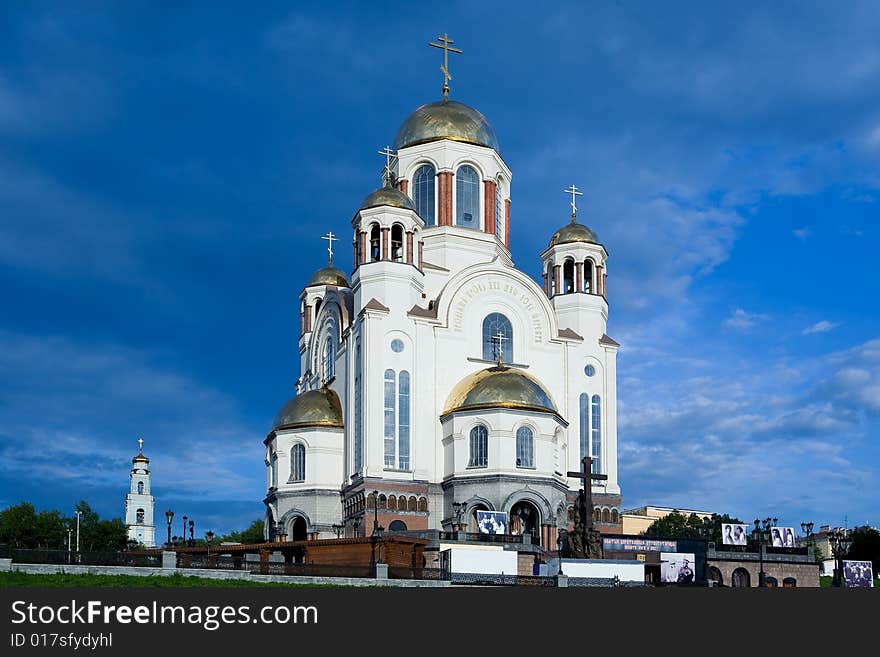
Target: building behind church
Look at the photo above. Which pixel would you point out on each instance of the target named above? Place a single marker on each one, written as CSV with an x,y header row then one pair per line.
x,y
437,378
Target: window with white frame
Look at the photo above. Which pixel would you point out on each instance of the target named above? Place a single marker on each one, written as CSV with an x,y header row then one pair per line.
x,y
298,462
424,180
479,447
525,448
467,197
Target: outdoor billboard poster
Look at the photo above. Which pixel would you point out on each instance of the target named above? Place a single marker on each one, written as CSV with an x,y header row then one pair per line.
x,y
677,567
492,522
734,534
782,537
858,574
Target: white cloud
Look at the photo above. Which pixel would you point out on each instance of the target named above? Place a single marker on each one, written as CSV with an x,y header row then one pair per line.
x,y
743,321
802,233
823,326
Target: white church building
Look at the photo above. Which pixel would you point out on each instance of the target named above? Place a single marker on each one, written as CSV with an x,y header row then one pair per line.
x,y
438,379
139,503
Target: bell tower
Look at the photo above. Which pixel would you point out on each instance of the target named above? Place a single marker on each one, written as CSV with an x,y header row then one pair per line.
x,y
139,501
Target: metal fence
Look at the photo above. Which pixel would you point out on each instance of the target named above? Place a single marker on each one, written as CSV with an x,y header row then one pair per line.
x,y
486,579
400,572
86,558
311,569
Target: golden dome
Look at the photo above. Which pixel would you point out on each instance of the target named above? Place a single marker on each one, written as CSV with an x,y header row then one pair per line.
x,y
446,119
499,387
573,232
329,276
388,196
315,408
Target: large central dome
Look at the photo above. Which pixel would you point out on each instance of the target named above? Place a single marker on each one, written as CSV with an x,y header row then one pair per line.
x,y
446,119
499,387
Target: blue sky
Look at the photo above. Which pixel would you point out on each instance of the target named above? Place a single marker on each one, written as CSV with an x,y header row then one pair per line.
x,y
165,177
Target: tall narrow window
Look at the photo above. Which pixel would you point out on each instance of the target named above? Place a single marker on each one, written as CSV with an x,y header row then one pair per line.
x,y
467,197
274,470
397,243
479,447
525,448
499,211
298,462
358,408
139,519
423,192
588,276
568,277
329,358
390,420
403,421
596,441
140,488
375,243
584,426
493,324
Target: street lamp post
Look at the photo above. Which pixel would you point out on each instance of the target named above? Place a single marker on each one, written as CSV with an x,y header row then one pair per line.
x,y
840,543
762,535
183,535
355,527
169,516
192,540
458,509
209,536
78,514
338,529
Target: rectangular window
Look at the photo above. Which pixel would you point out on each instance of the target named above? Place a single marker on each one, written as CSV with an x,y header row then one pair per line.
x,y
390,420
597,435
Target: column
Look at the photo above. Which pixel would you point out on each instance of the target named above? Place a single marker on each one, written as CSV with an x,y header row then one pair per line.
x,y
507,223
421,251
302,322
354,245
599,283
578,277
557,278
444,205
409,247
364,247
385,243
544,284
308,318
489,204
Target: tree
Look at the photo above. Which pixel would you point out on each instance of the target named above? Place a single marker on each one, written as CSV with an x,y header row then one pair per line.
x,y
253,534
865,546
678,525
18,524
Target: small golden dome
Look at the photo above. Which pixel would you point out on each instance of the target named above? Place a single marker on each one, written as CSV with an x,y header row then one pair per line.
x,y
315,408
329,276
499,387
446,119
389,196
573,232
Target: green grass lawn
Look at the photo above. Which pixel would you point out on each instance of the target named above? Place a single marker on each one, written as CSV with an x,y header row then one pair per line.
x,y
129,581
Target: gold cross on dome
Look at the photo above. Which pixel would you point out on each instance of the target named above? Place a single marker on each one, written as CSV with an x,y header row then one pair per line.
x,y
140,445
574,194
330,237
499,338
444,45
387,171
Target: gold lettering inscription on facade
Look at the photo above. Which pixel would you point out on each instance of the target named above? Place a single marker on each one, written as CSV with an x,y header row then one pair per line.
x,y
521,295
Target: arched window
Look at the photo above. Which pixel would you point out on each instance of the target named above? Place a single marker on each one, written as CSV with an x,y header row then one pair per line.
x,y
139,519
740,579
479,447
140,488
383,502
397,526
298,462
492,325
568,277
615,516
789,583
392,503
403,421
771,582
329,358
423,504
375,243
597,435
714,574
397,243
588,276
525,448
274,471
584,425
390,420
467,197
606,515
358,408
423,192
413,504
499,211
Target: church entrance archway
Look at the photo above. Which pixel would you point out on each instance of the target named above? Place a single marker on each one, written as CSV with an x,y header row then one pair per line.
x,y
740,579
526,519
714,575
298,529
472,525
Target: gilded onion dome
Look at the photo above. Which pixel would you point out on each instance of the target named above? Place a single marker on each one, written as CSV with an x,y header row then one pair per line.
x,y
389,196
573,232
499,387
315,408
446,119
329,275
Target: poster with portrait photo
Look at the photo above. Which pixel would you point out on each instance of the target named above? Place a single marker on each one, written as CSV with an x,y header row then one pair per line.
x,y
492,522
782,537
858,574
677,567
732,534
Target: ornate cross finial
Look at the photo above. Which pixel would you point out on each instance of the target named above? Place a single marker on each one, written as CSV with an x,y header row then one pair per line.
x,y
330,237
140,446
444,45
499,339
574,193
387,171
